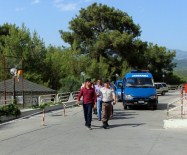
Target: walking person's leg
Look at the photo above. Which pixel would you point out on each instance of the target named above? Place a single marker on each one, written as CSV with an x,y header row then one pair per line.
x,y
112,111
104,114
85,114
89,115
109,110
99,109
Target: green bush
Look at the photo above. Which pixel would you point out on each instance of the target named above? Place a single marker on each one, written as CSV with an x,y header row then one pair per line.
x,y
42,106
10,110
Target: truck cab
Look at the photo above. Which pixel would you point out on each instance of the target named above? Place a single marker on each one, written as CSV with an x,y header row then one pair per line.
x,y
139,90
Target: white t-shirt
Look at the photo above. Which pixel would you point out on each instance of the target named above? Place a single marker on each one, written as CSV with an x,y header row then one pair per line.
x,y
107,94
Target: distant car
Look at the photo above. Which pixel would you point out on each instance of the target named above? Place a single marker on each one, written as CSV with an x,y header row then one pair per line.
x,y
165,86
159,88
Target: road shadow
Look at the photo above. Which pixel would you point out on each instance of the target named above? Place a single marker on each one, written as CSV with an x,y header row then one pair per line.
x,y
127,124
118,125
121,114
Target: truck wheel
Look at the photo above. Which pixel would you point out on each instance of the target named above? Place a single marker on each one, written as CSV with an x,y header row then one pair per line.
x,y
125,107
154,107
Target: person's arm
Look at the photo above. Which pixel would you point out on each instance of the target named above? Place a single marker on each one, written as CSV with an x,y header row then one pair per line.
x,y
95,99
79,96
114,97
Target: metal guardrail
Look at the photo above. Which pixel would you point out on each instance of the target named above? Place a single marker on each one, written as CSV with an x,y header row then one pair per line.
x,y
63,97
68,100
75,94
47,99
172,87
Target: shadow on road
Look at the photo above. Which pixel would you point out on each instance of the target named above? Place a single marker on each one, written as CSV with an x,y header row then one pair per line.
x,y
130,124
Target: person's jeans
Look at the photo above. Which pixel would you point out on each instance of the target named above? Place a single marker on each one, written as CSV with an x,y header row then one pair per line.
x,y
99,108
88,113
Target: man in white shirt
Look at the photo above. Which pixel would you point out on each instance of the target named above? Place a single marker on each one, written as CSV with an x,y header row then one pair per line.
x,y
108,96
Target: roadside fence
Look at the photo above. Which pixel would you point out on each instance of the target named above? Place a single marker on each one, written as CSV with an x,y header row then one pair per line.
x,y
178,108
67,99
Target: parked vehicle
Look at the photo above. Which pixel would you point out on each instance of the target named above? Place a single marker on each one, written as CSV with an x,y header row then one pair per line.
x,y
139,90
118,89
159,88
165,86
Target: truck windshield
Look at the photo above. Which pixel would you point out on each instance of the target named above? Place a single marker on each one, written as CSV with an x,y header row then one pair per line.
x,y
139,82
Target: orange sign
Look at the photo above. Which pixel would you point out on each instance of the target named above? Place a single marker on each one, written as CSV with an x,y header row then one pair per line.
x,y
186,88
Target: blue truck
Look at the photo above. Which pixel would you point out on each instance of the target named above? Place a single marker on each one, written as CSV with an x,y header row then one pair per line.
x,y
118,89
139,90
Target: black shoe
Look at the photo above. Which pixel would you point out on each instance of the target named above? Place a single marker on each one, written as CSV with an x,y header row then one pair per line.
x,y
105,125
89,127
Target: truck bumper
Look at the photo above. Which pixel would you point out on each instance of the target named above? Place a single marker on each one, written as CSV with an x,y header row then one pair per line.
x,y
140,102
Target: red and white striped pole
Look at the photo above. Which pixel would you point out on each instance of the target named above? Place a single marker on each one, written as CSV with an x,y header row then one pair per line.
x,y
43,118
64,109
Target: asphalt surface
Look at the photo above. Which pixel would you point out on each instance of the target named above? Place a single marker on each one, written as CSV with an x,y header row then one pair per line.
x,y
132,132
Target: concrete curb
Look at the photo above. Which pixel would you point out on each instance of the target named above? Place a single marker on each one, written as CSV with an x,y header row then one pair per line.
x,y
175,123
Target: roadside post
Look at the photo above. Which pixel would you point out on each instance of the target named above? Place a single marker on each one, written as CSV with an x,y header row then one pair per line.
x,y
43,117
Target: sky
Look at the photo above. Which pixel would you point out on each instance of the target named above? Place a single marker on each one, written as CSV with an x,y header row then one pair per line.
x,y
162,22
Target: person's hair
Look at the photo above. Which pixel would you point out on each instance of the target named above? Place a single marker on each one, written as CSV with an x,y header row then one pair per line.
x,y
88,80
106,81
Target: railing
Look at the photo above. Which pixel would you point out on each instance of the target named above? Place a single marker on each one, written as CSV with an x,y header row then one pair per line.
x,y
67,99
47,99
172,87
75,94
178,110
63,97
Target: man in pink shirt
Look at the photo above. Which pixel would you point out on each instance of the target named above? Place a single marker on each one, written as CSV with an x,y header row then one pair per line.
x,y
89,100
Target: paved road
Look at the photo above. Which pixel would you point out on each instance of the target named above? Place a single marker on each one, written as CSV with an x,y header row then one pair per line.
x,y
132,132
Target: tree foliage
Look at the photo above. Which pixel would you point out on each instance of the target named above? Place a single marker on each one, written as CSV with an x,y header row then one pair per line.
x,y
101,31
104,41
22,51
110,35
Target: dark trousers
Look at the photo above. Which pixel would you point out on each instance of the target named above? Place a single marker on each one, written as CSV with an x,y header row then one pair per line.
x,y
87,108
107,108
